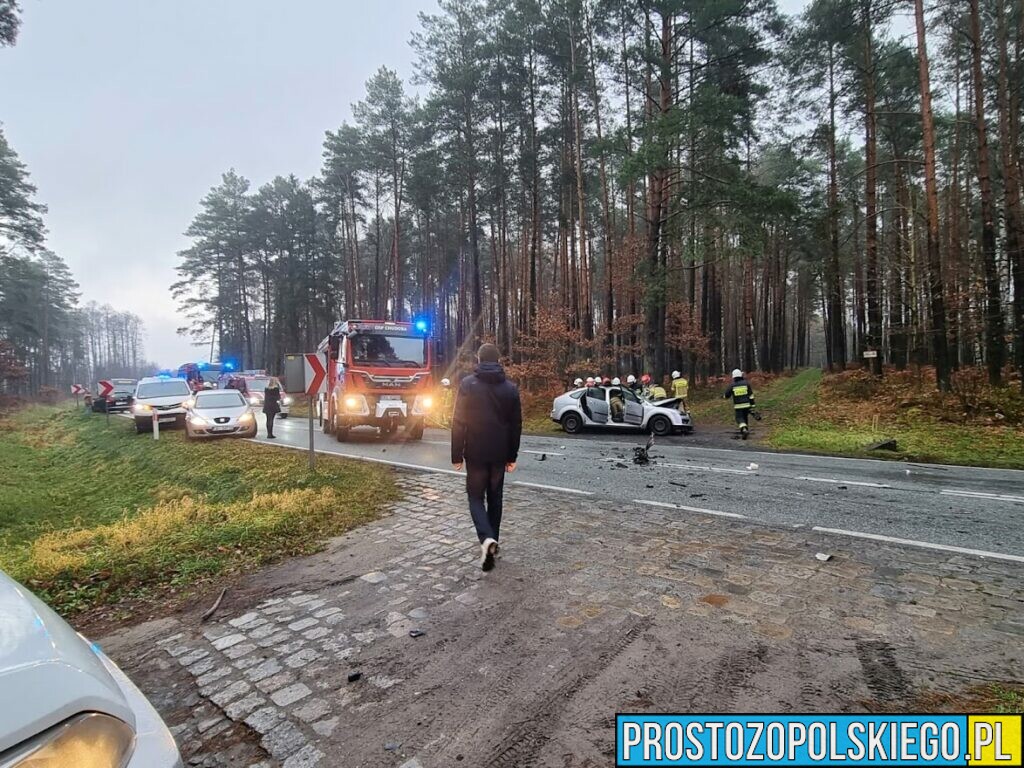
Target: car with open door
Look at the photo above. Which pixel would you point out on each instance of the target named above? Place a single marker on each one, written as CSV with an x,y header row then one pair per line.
x,y
617,408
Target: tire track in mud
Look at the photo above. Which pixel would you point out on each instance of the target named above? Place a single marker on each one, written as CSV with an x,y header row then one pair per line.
x,y
520,744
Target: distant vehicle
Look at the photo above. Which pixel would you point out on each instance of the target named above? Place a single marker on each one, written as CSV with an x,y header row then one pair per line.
x,y
255,382
378,375
219,412
63,702
591,407
118,400
199,375
161,394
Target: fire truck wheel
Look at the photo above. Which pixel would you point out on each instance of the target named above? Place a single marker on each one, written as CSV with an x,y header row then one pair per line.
x,y
416,433
340,433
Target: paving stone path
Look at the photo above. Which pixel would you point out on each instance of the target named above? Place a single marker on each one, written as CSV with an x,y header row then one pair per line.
x,y
391,648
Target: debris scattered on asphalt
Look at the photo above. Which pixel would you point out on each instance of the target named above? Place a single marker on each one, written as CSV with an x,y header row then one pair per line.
x,y
884,445
650,486
542,457
391,746
841,487
353,676
673,482
620,465
213,608
823,557
696,495
416,633
752,466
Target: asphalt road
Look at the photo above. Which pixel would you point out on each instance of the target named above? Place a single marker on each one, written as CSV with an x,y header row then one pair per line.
x,y
977,512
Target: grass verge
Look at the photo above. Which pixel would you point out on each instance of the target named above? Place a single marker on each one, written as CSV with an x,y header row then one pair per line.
x,y
92,514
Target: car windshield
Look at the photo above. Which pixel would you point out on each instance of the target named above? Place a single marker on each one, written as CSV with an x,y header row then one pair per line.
x,y
219,400
167,388
258,385
394,351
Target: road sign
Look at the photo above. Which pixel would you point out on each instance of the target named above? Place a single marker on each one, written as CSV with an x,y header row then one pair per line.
x,y
105,388
78,389
870,354
315,374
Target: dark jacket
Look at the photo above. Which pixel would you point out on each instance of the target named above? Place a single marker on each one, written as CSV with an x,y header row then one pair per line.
x,y
741,392
271,400
488,420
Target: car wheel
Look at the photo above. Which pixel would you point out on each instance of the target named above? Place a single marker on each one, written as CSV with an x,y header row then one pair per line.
x,y
661,426
415,433
572,423
140,428
282,415
340,433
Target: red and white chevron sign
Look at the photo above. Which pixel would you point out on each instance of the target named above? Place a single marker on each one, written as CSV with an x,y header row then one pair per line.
x,y
105,388
316,374
78,389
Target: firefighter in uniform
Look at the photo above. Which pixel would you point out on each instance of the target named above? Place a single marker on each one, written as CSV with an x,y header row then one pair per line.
x,y
742,395
680,389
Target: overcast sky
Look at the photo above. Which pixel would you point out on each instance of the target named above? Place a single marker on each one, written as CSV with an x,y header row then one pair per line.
x,y
127,111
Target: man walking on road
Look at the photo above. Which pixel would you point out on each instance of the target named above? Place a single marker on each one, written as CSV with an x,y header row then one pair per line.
x,y
486,429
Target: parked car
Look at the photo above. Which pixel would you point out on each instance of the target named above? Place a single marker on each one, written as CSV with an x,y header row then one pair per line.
x,y
254,386
219,412
63,702
591,407
162,395
118,400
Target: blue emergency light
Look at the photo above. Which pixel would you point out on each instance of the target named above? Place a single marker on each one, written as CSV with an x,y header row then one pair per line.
x,y
421,324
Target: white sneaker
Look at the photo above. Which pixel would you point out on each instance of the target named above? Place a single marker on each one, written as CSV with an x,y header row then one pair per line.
x,y
487,550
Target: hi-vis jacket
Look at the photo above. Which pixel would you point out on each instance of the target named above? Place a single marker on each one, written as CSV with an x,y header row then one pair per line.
x,y
742,394
680,387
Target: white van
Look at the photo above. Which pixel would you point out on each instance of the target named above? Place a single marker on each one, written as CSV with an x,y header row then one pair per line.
x,y
163,396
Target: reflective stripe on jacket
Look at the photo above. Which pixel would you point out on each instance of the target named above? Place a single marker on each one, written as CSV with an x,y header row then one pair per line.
x,y
742,394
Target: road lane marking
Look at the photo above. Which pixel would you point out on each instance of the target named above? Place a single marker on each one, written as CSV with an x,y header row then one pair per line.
x,y
701,510
922,544
553,488
702,468
844,482
357,457
541,453
982,495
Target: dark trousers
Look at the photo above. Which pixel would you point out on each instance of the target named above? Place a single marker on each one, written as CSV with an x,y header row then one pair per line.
x,y
270,423
485,484
741,416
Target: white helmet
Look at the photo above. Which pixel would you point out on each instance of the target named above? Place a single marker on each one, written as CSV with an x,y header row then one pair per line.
x,y
737,373
616,382
631,379
591,381
578,383
446,382
676,374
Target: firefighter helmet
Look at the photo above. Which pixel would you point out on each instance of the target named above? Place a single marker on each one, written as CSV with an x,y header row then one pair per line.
x,y
737,373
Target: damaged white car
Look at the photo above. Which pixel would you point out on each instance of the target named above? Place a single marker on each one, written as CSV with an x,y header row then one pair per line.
x,y
618,408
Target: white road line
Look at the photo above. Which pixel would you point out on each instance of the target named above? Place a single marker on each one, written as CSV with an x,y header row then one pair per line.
x,y
922,544
357,457
553,488
844,482
541,453
702,468
982,495
701,510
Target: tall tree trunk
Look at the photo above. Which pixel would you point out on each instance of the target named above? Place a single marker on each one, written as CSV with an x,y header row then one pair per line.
x,y
936,287
995,345
1008,142
836,333
874,335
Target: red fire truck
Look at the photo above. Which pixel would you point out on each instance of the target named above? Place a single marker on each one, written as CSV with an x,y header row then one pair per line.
x,y
378,375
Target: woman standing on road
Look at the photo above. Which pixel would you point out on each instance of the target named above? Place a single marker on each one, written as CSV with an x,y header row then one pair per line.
x,y
272,403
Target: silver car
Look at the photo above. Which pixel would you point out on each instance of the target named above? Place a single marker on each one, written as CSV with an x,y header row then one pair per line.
x,y
586,407
217,413
63,702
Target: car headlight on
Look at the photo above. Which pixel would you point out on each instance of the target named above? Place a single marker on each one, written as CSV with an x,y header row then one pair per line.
x,y
254,400
287,400
198,420
356,404
87,741
422,404
142,408
245,418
